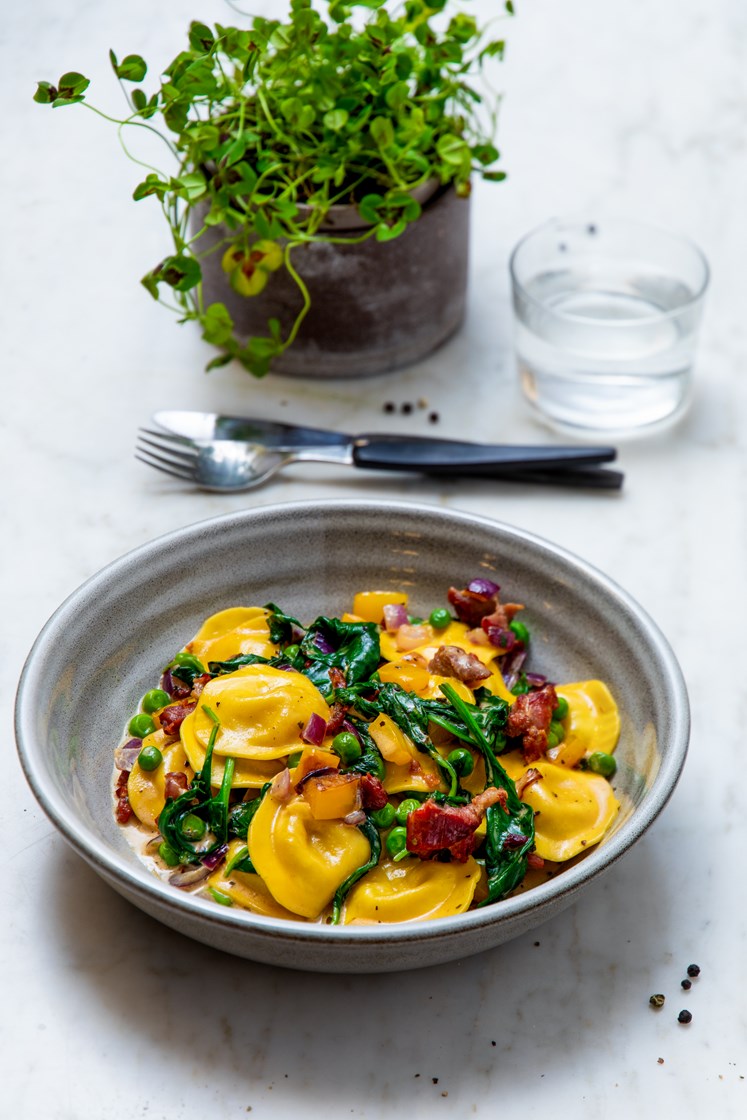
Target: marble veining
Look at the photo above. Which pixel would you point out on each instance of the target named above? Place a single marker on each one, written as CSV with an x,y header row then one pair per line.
x,y
615,108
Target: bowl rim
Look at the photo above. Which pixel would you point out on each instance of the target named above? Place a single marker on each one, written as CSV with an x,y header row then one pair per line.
x,y
136,879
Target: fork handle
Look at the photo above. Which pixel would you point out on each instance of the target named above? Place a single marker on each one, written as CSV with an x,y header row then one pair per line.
x,y
440,457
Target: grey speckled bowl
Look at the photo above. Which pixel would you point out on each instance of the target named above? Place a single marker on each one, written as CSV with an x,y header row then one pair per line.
x,y
107,643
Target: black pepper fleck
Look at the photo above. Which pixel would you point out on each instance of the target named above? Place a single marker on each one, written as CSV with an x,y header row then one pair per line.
x,y
433,417
434,1080
685,1017
389,406
493,1043
660,1061
406,408
657,1000
686,984
693,970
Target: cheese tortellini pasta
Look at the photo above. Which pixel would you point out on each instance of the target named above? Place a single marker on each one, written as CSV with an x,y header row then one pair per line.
x,y
373,768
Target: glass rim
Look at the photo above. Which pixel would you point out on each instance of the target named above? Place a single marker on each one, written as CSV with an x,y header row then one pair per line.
x,y
616,324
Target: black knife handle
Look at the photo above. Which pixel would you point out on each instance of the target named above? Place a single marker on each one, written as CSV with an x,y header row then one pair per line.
x,y
471,458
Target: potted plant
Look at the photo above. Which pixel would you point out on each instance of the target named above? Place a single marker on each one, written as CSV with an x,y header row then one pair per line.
x,y
319,200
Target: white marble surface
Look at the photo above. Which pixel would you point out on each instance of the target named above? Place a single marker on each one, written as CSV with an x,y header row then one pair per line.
x,y
612,108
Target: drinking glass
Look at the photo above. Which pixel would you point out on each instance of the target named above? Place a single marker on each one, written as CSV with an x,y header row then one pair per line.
x,y
607,316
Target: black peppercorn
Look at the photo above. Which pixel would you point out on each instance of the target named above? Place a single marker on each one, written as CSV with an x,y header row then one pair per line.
x,y
687,984
389,406
685,1017
406,408
433,417
693,970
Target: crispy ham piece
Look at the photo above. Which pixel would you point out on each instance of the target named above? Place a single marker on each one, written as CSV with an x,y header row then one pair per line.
x,y
173,717
453,661
529,719
434,828
471,606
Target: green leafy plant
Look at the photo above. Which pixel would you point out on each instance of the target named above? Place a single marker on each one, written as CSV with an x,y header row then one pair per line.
x,y
271,126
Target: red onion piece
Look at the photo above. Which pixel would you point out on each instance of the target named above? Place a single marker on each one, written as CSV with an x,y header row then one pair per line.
x,y
281,785
189,876
216,857
501,638
125,756
536,680
410,637
321,772
322,644
315,730
348,726
167,682
483,587
395,616
511,664
297,634
356,817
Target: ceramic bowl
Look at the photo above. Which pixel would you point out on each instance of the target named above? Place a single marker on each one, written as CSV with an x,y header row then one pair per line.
x,y
108,642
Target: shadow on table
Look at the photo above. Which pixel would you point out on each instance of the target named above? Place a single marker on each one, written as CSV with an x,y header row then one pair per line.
x,y
539,1002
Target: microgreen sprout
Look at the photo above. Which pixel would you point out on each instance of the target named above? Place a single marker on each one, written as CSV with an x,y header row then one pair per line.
x,y
266,128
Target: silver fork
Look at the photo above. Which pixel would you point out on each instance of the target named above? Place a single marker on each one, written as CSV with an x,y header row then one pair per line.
x,y
226,465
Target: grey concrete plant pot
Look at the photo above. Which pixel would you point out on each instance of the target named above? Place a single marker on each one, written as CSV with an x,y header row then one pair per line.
x,y
375,306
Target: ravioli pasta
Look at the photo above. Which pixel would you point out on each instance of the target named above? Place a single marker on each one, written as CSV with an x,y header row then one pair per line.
x,y
373,768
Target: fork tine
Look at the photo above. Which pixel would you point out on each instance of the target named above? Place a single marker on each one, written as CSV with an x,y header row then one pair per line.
x,y
166,466
179,451
170,437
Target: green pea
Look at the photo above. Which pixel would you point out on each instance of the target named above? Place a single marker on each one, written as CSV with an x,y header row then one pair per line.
x,y
154,700
294,759
558,731
384,818
462,761
440,618
140,726
520,631
396,841
347,746
150,758
193,827
562,709
602,763
404,809
189,661
168,854
291,652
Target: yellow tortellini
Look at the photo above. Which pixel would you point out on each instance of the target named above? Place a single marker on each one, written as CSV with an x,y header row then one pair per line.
x,y
303,861
315,818
574,808
592,724
247,889
146,789
412,891
238,630
261,710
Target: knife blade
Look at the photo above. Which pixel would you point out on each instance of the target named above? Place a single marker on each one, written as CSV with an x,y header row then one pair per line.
x,y
271,433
